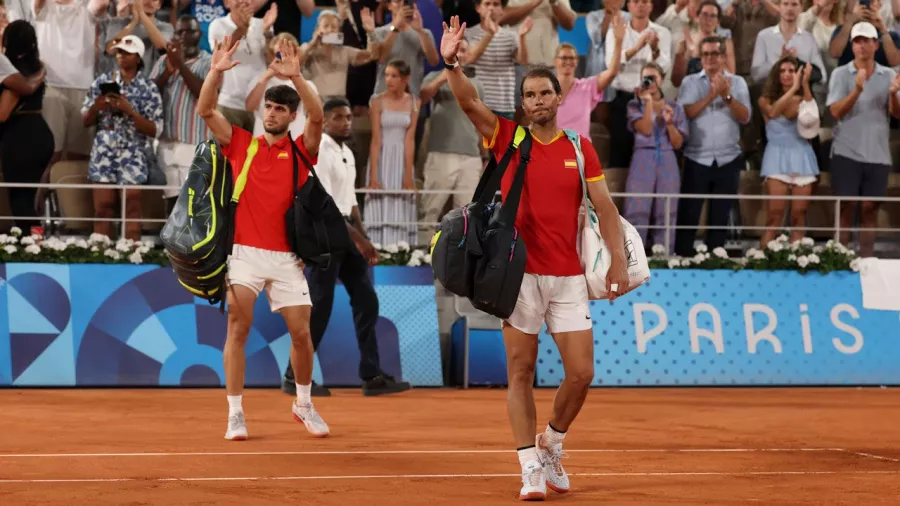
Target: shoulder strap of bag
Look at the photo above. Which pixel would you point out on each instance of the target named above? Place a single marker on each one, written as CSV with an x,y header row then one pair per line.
x,y
575,139
296,153
245,171
511,206
490,179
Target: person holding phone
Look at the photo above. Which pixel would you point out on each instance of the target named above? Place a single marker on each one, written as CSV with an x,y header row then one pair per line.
x,y
872,12
326,60
126,107
660,128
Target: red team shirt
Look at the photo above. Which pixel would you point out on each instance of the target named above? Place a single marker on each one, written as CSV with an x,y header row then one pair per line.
x,y
551,198
259,222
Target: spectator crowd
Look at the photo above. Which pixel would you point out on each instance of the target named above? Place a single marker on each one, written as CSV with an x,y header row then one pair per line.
x,y
685,97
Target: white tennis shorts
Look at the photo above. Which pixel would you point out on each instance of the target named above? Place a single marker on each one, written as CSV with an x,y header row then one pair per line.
x,y
560,301
175,159
277,272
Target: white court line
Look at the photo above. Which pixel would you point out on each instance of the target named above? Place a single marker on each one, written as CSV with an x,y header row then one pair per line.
x,y
442,476
406,452
879,457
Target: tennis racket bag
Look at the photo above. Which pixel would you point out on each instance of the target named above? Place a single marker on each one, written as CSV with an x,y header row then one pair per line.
x,y
199,233
452,263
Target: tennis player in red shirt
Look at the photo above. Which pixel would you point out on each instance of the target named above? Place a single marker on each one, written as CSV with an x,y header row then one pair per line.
x,y
554,289
262,258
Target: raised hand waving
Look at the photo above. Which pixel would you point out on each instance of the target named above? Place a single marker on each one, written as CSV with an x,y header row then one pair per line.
x,y
452,38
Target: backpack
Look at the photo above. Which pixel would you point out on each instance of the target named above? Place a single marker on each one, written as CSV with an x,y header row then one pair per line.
x,y
199,233
316,229
481,255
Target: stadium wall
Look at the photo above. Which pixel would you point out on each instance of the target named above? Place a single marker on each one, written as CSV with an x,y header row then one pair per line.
x,y
125,325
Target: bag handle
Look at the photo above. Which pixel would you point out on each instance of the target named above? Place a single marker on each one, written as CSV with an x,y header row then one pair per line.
x,y
241,182
490,179
575,139
510,208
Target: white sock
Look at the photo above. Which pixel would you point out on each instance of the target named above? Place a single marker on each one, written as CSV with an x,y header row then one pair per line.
x,y
552,437
303,395
527,455
234,404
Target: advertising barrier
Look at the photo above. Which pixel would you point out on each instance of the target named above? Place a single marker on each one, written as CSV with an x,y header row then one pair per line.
x,y
718,327
124,325
133,325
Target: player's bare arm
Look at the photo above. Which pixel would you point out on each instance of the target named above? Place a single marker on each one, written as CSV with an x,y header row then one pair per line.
x,y
288,64
613,235
466,95
209,93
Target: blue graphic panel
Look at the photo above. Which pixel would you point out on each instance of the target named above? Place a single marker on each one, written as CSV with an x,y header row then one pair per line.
x,y
109,325
738,328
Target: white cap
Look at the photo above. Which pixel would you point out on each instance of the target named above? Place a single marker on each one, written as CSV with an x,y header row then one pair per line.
x,y
131,44
808,119
863,29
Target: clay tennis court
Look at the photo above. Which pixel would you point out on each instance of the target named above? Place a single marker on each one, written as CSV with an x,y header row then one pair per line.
x,y
431,447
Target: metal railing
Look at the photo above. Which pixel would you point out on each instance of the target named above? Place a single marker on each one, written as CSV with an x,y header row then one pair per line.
x,y
669,198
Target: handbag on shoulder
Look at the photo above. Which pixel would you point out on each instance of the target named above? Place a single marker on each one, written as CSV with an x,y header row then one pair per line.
x,y
316,229
596,257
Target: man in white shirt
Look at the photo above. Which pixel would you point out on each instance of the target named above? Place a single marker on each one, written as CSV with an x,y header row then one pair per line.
x,y
254,35
336,169
645,41
65,31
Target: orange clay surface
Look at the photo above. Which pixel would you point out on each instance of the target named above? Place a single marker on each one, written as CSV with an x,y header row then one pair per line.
x,y
435,447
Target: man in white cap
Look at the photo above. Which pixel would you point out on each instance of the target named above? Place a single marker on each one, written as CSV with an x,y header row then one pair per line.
x,y
860,95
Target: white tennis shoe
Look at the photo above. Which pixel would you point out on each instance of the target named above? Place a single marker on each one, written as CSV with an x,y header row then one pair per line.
x,y
308,416
551,458
237,427
534,484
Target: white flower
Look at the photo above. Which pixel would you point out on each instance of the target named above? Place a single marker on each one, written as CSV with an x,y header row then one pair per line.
x,y
403,246
384,256
699,257
818,249
720,252
5,238
700,248
9,249
147,244
392,248
34,249
124,245
418,254
775,246
751,253
99,238
426,259
802,261
71,240
27,241
808,241
795,245
782,238
658,249
16,231
706,256
830,243
759,255
377,246
414,262
36,237
95,249
686,262
674,262
813,258
112,254
792,257
854,264
143,250
55,244
135,258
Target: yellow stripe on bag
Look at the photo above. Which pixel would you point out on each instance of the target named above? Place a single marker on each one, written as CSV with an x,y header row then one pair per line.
x,y
434,241
242,177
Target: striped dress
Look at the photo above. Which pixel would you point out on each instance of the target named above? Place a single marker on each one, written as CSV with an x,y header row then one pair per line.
x,y
384,208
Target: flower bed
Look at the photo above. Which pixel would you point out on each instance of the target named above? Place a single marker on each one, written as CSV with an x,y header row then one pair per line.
x,y
778,255
100,249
